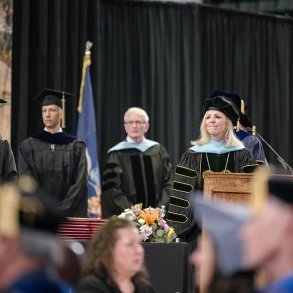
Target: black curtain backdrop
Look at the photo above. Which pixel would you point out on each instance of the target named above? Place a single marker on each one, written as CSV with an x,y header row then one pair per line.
x,y
164,57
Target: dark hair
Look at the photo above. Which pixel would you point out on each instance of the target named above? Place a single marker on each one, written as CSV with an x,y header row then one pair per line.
x,y
98,256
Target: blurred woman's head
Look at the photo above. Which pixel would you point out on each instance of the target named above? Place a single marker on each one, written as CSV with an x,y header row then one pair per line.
x,y
115,252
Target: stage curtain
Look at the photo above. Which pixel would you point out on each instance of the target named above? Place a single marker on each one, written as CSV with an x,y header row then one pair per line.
x,y
164,57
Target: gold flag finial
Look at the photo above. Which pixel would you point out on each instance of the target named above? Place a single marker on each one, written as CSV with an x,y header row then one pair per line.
x,y
88,46
86,63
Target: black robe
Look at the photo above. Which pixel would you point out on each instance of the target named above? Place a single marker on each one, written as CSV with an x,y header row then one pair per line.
x,y
131,176
94,284
58,163
8,170
188,178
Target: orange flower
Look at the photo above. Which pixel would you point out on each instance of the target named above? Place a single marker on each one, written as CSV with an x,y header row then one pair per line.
x,y
150,218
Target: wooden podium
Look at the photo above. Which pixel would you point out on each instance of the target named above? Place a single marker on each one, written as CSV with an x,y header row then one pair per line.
x,y
235,187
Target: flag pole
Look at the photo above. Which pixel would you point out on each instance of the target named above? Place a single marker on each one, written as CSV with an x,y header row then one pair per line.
x,y
86,63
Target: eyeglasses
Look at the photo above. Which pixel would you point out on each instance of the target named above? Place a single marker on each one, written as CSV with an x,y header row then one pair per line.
x,y
138,123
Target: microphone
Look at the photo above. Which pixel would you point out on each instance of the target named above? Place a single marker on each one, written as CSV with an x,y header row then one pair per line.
x,y
279,158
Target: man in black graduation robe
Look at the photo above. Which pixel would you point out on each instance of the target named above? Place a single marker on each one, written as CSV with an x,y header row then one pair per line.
x,y
56,160
137,170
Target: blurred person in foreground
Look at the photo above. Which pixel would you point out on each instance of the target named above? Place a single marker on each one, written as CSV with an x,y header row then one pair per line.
x,y
268,237
251,142
29,248
114,261
69,267
56,159
217,150
218,258
136,170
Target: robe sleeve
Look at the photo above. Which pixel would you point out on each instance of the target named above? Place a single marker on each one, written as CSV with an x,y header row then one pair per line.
x,y
113,199
76,196
244,161
186,180
9,171
254,145
24,166
167,177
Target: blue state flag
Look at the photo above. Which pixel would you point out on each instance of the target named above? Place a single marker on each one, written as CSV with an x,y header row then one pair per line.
x,y
86,131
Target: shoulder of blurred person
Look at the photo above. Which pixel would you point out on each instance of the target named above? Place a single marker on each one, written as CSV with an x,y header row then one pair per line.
x,y
218,258
29,246
271,253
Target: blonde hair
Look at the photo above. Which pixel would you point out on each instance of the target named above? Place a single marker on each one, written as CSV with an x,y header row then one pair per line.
x,y
229,140
138,111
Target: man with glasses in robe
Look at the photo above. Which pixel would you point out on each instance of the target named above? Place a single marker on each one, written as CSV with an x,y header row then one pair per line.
x,y
136,170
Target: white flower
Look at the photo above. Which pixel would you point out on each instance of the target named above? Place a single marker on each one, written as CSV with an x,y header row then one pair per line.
x,y
128,214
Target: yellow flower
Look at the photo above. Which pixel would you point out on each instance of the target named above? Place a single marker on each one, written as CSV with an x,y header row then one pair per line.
x,y
138,206
171,230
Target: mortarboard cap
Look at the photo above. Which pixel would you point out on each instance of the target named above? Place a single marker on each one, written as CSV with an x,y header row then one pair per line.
x,y
54,97
222,105
237,102
270,183
223,222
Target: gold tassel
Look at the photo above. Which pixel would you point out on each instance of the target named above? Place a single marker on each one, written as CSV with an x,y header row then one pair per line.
x,y
63,111
242,107
238,125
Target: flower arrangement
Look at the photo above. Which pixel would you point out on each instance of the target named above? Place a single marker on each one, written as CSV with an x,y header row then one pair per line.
x,y
150,223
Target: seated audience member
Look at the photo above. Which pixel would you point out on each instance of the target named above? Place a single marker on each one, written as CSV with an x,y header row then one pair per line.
x,y
218,257
114,261
268,237
29,248
250,141
136,170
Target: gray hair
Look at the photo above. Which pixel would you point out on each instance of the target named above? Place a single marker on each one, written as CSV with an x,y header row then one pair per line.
x,y
138,111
